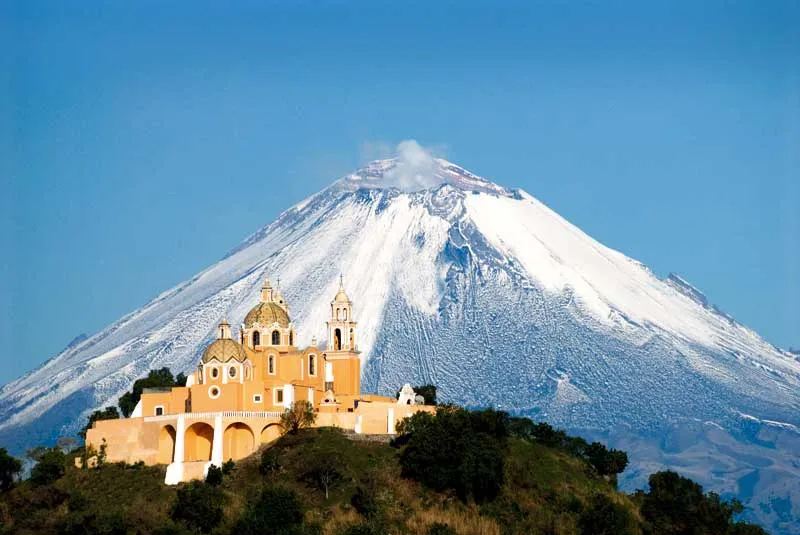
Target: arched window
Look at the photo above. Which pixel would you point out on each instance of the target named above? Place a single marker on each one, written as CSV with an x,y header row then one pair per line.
x,y
338,313
337,340
345,314
312,365
271,364
214,372
276,338
256,338
291,338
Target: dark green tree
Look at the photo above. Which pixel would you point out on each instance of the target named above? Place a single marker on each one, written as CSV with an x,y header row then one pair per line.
x,y
161,378
199,506
51,466
676,505
10,469
278,511
428,392
456,449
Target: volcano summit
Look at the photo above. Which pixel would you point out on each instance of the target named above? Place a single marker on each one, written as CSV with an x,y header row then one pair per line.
x,y
496,299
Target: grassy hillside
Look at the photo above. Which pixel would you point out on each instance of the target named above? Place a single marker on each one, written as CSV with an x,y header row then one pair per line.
x,y
282,489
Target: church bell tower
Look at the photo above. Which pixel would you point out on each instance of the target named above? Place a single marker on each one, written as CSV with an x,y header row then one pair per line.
x,y
342,361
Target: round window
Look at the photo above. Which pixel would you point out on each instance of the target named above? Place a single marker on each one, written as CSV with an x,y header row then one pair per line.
x,y
232,371
214,372
213,392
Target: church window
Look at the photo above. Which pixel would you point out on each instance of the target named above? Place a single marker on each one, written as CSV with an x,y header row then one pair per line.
x,y
213,392
232,371
291,338
338,313
278,395
276,338
256,398
337,340
214,372
312,365
345,314
256,338
159,410
271,364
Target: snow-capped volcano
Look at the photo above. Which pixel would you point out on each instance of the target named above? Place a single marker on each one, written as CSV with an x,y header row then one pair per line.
x,y
496,299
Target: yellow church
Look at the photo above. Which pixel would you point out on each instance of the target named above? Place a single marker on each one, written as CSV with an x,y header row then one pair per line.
x,y
233,402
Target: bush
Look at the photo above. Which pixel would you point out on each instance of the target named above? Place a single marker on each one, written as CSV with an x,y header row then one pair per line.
x,y
227,467
277,511
269,462
457,450
300,416
604,517
10,469
214,476
199,506
437,528
50,467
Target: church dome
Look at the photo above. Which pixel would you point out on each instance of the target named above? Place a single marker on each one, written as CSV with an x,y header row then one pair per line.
x,y
224,349
266,314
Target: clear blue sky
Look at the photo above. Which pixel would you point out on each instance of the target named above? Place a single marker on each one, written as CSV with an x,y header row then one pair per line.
x,y
140,141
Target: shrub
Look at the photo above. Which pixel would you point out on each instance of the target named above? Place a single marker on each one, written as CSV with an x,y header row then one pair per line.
x,y
277,511
214,476
199,506
50,467
604,517
269,462
437,528
299,416
228,467
10,469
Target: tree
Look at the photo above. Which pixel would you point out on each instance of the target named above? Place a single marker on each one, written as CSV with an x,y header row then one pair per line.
x,y
50,467
299,416
10,469
109,413
456,449
676,505
428,392
277,511
199,506
67,444
161,378
324,470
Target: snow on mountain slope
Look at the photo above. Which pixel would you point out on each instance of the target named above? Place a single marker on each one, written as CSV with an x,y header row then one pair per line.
x,y
495,298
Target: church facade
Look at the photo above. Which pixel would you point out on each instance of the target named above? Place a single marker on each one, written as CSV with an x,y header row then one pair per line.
x,y
232,403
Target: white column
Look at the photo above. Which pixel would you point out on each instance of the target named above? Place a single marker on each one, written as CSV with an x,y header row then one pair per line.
x,y
358,424
390,420
175,469
180,435
216,447
288,396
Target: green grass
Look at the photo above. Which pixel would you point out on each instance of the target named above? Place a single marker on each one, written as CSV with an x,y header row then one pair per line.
x,y
545,491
